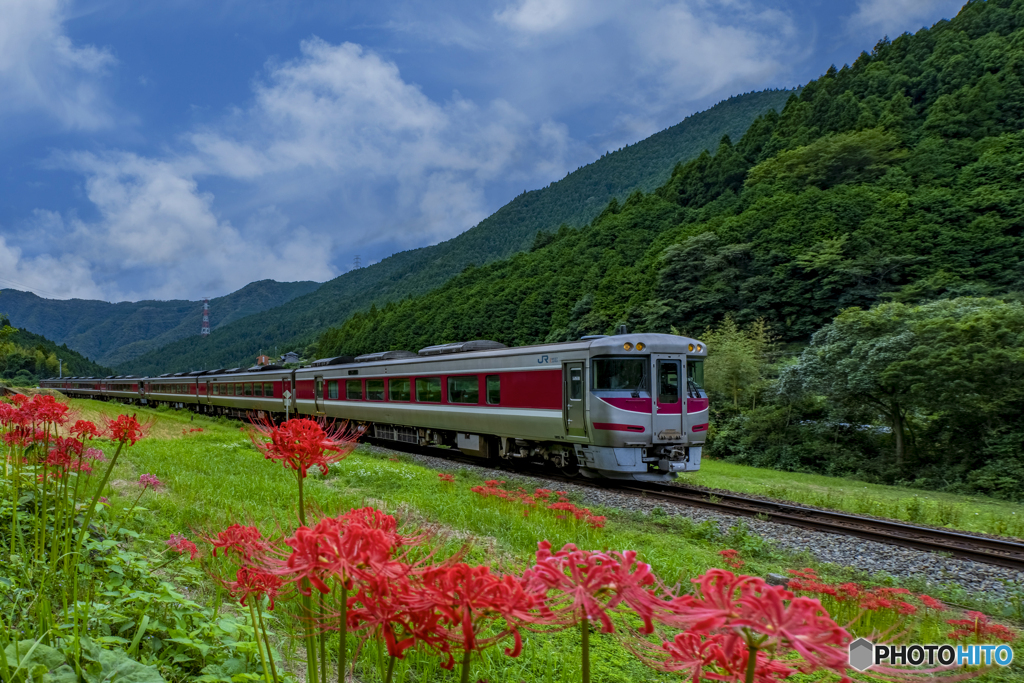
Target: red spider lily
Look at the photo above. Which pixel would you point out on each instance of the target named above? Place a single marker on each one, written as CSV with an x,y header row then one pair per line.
x,y
446,478
301,443
150,481
84,429
333,548
762,616
731,558
372,518
63,453
393,608
47,409
588,585
255,582
977,626
467,597
932,603
126,429
715,657
245,541
180,544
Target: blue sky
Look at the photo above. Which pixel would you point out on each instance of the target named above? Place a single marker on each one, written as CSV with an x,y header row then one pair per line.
x,y
181,149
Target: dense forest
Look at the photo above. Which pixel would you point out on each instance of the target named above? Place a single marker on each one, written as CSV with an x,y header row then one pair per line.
x,y
26,357
115,333
885,186
573,200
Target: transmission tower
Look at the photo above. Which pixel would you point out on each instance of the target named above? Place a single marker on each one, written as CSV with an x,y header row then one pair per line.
x,y
206,318
357,263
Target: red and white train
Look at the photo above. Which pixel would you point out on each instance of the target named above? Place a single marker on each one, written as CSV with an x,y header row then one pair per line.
x,y
628,406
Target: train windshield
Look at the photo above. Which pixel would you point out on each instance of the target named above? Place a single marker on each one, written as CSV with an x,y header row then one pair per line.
x,y
621,374
695,378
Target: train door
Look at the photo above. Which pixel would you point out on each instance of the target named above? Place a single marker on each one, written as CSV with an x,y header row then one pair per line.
x,y
669,398
318,394
573,390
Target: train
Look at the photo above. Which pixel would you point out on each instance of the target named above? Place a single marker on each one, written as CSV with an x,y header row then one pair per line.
x,y
621,406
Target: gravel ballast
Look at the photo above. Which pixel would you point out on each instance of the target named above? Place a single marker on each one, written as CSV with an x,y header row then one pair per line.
x,y
847,551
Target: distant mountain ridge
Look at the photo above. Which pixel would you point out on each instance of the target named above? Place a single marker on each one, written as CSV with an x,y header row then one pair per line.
x,y
576,200
112,334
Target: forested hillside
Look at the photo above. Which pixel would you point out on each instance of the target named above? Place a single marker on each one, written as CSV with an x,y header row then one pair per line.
x,y
116,333
26,357
896,179
573,200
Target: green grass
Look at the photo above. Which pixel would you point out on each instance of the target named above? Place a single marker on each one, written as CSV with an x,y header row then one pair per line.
x,y
967,513
216,477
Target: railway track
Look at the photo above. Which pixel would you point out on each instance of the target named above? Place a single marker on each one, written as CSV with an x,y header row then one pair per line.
x,y
984,549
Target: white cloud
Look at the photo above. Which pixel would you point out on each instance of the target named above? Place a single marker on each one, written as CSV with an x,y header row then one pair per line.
x,y
341,121
54,277
894,17
157,235
42,71
650,60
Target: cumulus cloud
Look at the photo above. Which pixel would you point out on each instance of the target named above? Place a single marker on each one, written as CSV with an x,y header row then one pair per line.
x,y
341,119
335,132
894,17
158,236
42,71
654,58
54,277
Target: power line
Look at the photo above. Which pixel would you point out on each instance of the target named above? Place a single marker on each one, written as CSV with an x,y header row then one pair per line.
x,y
34,290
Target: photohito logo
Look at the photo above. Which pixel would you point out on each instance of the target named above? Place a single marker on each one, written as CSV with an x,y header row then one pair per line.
x,y
864,654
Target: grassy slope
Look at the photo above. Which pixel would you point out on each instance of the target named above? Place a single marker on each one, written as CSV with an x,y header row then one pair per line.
x,y
215,477
575,199
115,333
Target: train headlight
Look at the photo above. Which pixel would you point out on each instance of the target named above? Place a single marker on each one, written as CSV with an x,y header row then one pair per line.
x,y
640,346
699,347
690,347
627,346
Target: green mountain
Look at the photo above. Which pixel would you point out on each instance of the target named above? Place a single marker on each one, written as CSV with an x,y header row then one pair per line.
x,y
26,357
116,333
574,200
895,178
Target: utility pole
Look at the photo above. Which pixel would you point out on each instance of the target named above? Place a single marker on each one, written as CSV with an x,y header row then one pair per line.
x,y
61,361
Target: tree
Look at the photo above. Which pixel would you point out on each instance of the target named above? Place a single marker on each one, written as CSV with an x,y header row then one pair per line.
x,y
736,357
944,360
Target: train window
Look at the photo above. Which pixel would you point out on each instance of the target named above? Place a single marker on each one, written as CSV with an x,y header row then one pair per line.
x,y
400,389
621,374
332,389
354,390
318,387
374,390
694,378
494,389
464,389
257,389
239,390
268,389
576,384
428,389
668,381
248,388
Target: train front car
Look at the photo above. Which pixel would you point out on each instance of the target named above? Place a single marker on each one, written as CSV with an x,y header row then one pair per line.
x,y
647,412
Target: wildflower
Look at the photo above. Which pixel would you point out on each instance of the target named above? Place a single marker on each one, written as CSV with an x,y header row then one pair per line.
x,y
446,478
301,443
977,626
126,429
931,603
245,541
150,481
731,558
84,429
255,582
180,544
588,585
